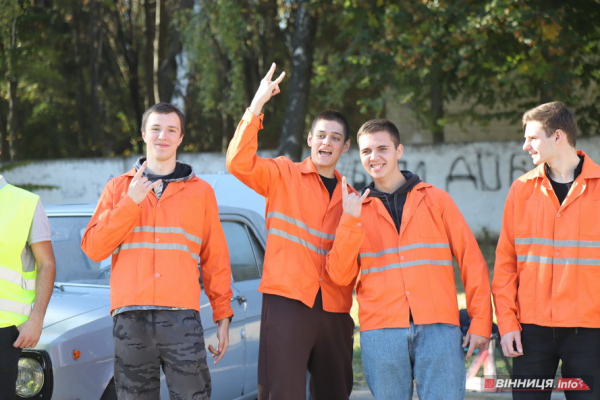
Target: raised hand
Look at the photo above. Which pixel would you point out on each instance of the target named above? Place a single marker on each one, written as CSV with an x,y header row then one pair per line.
x,y
140,186
351,202
267,89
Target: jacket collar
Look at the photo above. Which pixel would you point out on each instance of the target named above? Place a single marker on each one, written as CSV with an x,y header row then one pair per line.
x,y
419,186
589,170
308,167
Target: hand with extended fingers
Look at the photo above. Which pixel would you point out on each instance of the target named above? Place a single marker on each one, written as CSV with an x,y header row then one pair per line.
x,y
351,202
140,186
267,89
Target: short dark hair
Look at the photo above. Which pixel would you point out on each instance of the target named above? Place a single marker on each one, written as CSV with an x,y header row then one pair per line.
x,y
333,115
380,125
164,108
553,116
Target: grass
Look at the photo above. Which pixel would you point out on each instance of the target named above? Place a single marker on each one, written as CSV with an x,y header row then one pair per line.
x,y
488,248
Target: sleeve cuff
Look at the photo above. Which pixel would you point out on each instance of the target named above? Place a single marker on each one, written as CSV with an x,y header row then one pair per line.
x,y
481,328
507,326
350,222
252,119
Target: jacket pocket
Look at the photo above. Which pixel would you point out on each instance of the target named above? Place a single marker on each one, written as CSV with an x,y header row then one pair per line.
x,y
526,212
191,214
430,222
589,218
588,296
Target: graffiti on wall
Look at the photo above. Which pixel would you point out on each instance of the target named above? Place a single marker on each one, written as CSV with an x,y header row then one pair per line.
x,y
484,171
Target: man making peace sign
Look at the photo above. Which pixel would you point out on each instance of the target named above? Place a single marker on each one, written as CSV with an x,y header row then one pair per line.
x,y
305,319
159,221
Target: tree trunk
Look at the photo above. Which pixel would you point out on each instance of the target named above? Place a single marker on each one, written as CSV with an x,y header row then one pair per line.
x,y
94,75
167,79
156,48
149,24
305,27
13,120
80,80
437,102
131,57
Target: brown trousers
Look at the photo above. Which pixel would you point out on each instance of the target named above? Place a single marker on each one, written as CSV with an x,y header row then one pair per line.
x,y
294,339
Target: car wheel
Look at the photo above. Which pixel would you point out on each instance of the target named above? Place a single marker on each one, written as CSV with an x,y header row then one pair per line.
x,y
109,393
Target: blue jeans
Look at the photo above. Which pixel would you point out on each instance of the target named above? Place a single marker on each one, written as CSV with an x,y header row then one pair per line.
x,y
429,354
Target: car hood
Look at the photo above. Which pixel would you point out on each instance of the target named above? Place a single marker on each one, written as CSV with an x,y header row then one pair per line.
x,y
69,301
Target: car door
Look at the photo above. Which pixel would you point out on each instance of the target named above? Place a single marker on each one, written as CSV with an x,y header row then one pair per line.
x,y
246,248
228,376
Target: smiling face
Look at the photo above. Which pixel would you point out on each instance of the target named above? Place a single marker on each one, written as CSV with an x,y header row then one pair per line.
x,y
541,147
326,142
379,155
162,135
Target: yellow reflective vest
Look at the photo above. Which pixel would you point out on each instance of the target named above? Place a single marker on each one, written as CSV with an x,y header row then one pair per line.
x,y
17,287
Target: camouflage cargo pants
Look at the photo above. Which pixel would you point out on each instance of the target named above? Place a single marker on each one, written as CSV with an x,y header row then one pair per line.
x,y
145,340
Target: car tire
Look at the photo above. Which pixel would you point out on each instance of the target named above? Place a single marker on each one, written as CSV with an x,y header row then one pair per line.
x,y
109,393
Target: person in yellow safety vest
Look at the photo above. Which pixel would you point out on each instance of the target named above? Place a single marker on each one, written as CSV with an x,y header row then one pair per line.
x,y
26,277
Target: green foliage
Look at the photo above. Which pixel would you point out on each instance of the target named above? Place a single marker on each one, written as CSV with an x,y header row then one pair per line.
x,y
81,65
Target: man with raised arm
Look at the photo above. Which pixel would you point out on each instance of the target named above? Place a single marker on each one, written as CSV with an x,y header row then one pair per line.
x,y
159,221
547,274
27,270
305,318
408,234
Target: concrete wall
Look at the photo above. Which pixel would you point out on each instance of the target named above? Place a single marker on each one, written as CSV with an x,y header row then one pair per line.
x,y
477,175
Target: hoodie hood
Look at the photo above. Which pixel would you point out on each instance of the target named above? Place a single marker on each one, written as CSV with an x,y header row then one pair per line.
x,y
394,202
183,172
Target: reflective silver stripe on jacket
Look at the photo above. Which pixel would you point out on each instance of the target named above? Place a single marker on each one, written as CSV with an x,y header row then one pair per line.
x,y
406,248
296,239
558,261
15,307
152,229
406,264
9,275
559,243
300,224
156,246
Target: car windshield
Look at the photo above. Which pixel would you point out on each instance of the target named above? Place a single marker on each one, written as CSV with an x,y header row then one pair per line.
x,y
72,265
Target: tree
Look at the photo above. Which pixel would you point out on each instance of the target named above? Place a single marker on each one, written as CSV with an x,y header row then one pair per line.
x,y
303,47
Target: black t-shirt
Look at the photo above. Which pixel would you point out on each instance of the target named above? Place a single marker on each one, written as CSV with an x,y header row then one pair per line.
x,y
562,189
330,184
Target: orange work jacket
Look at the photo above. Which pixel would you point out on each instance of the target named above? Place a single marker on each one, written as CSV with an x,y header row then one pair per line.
x,y
412,271
547,269
301,220
156,246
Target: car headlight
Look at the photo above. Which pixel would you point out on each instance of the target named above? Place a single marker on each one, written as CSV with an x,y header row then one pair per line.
x,y
35,375
31,377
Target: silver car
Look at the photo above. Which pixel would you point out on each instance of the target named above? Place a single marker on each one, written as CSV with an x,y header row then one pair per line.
x,y
74,357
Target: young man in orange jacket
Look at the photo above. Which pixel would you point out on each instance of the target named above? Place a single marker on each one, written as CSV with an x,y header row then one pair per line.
x,y
547,275
305,320
400,241
159,221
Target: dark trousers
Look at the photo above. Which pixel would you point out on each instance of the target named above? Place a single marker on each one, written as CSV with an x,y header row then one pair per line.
x,y
9,361
543,347
295,338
